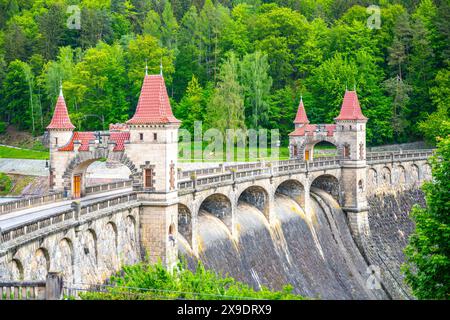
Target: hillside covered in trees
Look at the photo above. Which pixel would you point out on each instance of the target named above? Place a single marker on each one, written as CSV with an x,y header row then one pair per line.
x,y
229,63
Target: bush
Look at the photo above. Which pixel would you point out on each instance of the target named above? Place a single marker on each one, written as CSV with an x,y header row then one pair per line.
x,y
153,282
5,184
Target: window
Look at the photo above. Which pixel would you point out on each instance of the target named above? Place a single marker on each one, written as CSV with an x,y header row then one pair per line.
x,y
155,136
346,151
141,136
149,178
56,141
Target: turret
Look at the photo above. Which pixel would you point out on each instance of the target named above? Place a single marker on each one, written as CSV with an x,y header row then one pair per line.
x,y
351,137
301,118
153,149
60,132
60,128
351,128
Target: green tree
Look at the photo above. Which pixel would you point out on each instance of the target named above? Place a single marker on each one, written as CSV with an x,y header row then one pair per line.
x,y
427,268
399,90
256,83
226,109
193,105
18,95
169,27
437,124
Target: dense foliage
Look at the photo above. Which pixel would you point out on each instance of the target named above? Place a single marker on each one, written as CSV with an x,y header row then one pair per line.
x,y
428,253
144,281
5,184
253,58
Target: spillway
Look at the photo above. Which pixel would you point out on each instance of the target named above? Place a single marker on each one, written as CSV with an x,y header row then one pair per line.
x,y
316,255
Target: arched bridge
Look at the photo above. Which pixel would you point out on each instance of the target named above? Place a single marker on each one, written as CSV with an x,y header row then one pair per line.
x,y
89,239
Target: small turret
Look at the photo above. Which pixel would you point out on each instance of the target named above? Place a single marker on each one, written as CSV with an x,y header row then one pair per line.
x,y
301,119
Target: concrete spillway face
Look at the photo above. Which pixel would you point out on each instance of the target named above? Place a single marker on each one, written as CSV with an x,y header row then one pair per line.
x,y
318,258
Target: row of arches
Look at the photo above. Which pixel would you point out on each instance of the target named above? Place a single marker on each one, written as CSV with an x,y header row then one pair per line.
x,y
221,206
89,254
398,175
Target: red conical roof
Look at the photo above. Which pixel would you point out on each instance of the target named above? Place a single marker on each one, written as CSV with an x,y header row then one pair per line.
x,y
153,106
61,118
301,117
351,110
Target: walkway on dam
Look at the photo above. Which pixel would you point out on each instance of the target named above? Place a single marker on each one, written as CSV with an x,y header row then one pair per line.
x,y
27,215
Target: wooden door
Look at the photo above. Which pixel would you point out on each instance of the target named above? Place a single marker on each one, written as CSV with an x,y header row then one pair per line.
x,y
307,155
77,186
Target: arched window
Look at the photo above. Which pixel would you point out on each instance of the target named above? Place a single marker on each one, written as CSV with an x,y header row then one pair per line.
x,y
346,151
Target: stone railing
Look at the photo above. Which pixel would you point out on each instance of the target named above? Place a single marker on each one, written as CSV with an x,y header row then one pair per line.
x,y
108,186
200,172
261,171
380,157
30,202
64,217
49,289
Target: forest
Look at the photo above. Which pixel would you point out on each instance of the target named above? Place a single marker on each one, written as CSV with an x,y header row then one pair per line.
x,y
229,63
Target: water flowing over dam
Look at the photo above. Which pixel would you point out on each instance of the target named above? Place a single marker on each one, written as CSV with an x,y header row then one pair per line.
x,y
318,257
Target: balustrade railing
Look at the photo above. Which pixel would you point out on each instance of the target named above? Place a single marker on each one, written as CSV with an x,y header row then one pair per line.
x,y
74,213
108,186
22,290
28,202
49,289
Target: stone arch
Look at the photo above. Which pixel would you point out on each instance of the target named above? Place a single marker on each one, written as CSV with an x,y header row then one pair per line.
x,y
40,264
64,259
185,222
220,206
426,171
256,196
89,244
386,176
128,248
108,247
329,184
372,177
415,173
293,189
324,142
85,158
401,175
16,270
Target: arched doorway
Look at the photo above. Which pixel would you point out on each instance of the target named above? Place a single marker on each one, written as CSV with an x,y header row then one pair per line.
x,y
323,149
96,172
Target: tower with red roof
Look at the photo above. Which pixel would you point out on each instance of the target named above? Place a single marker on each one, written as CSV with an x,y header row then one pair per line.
x,y
351,136
153,148
60,132
348,134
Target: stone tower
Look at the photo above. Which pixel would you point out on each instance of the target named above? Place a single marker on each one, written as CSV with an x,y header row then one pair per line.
x,y
351,136
153,149
60,131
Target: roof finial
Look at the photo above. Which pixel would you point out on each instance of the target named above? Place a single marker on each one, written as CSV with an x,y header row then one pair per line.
x,y
161,67
346,88
146,67
60,88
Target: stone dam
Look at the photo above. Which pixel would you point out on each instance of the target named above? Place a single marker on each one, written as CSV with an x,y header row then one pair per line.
x,y
319,259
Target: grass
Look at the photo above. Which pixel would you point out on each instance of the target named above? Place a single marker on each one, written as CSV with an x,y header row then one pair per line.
x,y
13,153
220,156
